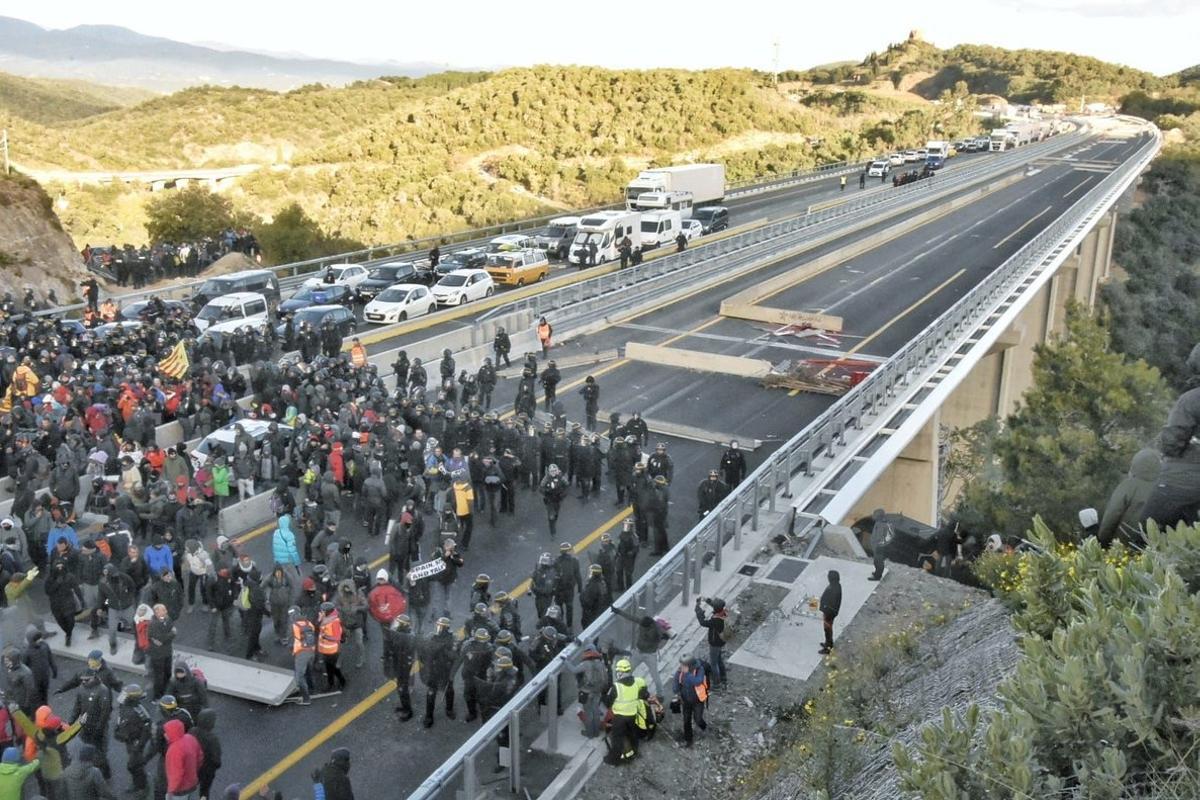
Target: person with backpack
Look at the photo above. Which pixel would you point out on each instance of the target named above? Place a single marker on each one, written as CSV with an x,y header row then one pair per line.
x,y
304,650
647,640
691,692
190,693
720,631
591,674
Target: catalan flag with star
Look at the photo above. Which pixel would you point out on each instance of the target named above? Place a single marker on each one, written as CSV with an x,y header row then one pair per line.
x,y
176,365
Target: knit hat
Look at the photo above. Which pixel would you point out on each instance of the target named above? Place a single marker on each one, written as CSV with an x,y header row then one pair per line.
x,y
11,756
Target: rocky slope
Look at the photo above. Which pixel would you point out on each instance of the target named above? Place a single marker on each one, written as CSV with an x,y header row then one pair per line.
x,y
34,249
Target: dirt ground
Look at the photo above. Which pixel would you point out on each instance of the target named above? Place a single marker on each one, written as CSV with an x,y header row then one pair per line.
x,y
755,716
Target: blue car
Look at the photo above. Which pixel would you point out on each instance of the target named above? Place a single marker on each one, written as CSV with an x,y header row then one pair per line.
x,y
330,294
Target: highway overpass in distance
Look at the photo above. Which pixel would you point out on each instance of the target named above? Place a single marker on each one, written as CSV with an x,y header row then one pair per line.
x,y
888,281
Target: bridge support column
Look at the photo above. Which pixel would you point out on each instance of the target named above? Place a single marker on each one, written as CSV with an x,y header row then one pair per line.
x,y
910,485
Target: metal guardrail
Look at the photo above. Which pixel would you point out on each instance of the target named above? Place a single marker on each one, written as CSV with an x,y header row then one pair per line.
x,y
679,574
292,275
693,265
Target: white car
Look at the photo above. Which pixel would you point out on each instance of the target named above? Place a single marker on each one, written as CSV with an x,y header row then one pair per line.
x,y
691,229
463,286
350,274
910,156
226,436
878,169
896,159
510,241
400,302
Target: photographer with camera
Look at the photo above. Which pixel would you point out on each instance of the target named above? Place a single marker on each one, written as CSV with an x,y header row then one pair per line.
x,y
719,633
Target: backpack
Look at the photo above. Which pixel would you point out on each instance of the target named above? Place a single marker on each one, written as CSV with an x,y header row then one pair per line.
x,y
664,628
243,599
308,637
199,675
727,632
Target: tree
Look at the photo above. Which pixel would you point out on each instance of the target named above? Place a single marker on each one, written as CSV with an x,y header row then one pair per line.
x,y
1156,310
1070,440
294,236
188,214
1103,700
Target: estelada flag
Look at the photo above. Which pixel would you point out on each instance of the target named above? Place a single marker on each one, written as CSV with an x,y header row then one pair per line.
x,y
175,365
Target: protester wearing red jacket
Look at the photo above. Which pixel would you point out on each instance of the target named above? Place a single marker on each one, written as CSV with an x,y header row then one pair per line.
x,y
385,601
184,757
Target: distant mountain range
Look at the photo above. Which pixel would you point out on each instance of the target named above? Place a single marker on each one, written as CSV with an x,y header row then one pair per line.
x,y
119,56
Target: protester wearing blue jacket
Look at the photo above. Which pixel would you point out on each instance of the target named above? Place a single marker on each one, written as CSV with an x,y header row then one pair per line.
x,y
159,556
283,543
61,530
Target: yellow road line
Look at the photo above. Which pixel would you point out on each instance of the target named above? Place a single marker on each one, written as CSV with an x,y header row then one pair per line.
x,y
325,734
379,695
900,316
1028,222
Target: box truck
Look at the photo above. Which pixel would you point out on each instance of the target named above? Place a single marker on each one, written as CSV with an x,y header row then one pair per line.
x,y
706,182
606,230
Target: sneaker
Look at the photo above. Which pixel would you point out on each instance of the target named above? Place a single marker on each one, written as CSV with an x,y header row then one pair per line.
x,y
875,578
305,703
824,651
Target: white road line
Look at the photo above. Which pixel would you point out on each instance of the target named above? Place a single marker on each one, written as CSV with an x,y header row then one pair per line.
x,y
1028,222
1079,186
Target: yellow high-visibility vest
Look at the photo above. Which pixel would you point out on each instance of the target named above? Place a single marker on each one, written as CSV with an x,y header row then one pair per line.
x,y
629,702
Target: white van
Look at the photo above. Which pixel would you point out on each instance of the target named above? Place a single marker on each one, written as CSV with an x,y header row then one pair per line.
x,y
879,168
232,311
659,227
665,201
606,230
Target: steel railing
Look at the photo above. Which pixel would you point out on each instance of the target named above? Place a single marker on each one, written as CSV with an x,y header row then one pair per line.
x,y
678,576
693,265
293,274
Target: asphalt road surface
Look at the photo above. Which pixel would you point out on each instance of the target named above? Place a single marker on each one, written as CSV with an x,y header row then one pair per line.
x,y
885,296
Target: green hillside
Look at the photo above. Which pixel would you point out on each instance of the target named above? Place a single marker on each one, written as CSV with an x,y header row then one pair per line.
x,y
49,102
1020,76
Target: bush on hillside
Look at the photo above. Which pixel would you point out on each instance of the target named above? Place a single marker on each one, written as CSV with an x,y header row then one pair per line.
x,y
189,214
1104,702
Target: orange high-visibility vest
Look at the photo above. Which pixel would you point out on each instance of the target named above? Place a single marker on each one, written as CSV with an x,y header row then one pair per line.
x,y
298,629
330,640
543,332
358,355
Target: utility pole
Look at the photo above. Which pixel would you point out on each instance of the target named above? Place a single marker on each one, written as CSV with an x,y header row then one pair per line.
x,y
775,63
4,147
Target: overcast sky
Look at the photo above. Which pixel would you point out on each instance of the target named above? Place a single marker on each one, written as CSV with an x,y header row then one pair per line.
x,y
1155,35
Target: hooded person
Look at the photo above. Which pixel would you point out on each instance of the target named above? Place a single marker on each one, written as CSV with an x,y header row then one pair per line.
x,y
1175,496
210,747
830,605
335,776
85,778
190,693
182,760
1121,513
881,539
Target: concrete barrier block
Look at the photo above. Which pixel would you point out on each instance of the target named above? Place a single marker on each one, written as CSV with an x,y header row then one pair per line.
x,y
235,677
245,515
698,360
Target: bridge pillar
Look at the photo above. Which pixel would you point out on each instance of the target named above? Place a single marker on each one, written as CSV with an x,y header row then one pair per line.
x,y
910,484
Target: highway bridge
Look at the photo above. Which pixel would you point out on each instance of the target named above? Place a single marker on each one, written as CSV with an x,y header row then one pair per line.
x,y
215,178
943,287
